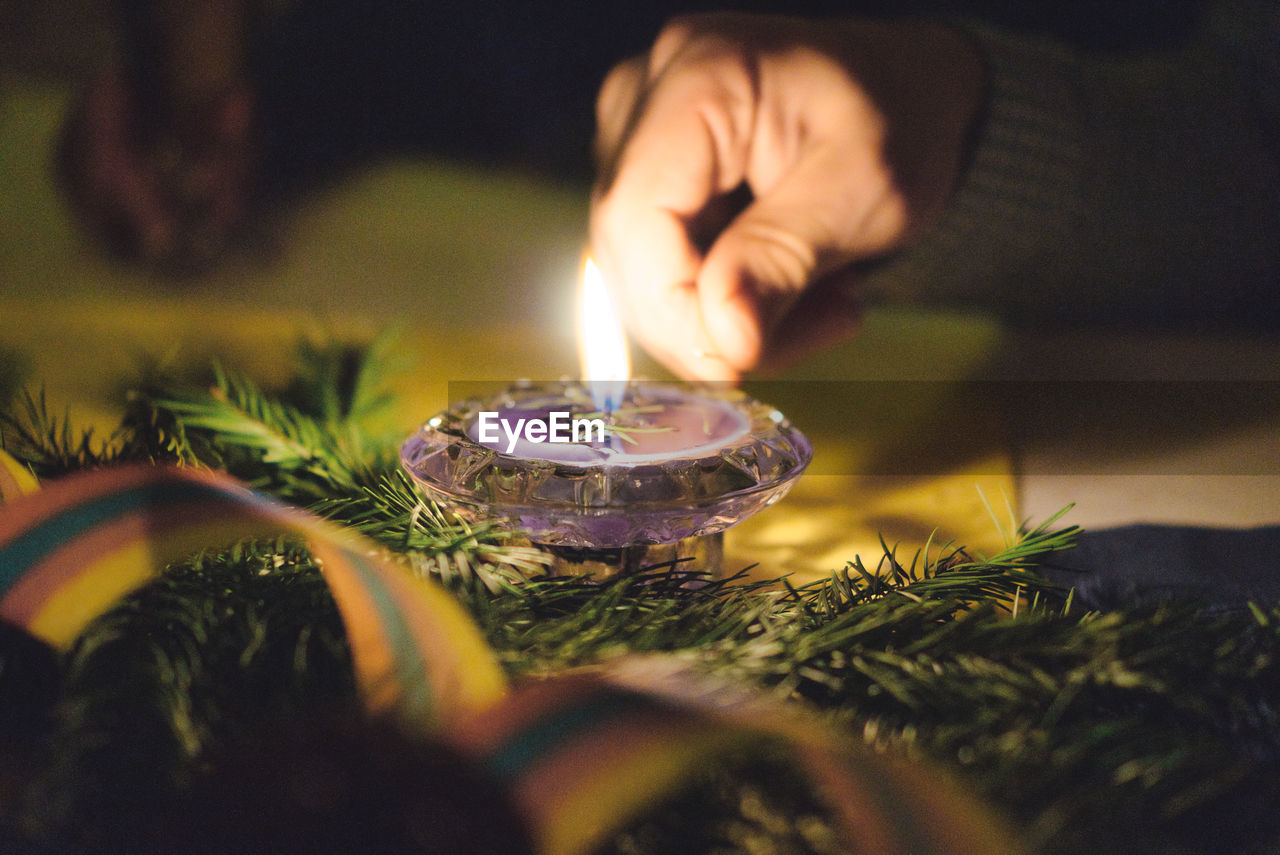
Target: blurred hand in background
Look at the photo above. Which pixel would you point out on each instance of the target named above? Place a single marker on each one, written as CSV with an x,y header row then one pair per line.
x,y
167,187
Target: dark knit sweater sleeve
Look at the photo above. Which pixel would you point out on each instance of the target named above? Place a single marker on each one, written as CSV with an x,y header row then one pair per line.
x,y
1117,185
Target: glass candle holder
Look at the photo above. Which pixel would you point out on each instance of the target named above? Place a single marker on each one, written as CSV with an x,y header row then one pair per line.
x,y
654,482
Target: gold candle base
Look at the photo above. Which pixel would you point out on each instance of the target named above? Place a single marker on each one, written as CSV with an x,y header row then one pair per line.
x,y
690,555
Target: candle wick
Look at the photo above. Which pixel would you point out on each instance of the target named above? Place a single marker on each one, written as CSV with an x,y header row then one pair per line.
x,y
611,423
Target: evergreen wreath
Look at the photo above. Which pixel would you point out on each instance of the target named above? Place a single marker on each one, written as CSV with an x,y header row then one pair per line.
x,y
1147,730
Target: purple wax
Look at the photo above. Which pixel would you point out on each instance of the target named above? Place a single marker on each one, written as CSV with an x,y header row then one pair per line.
x,y
656,423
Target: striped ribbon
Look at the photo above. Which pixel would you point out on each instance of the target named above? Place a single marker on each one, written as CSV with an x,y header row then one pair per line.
x,y
582,755
72,549
585,754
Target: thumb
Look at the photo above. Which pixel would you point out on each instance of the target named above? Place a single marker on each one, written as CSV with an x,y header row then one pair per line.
x,y
826,213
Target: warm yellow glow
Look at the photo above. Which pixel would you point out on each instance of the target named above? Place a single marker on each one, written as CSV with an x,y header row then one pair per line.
x,y
602,345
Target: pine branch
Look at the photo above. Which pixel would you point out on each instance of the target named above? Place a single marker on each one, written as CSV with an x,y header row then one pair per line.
x,y
317,453
341,384
1140,731
394,512
49,444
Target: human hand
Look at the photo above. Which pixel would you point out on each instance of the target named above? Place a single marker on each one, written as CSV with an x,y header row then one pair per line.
x,y
849,137
163,184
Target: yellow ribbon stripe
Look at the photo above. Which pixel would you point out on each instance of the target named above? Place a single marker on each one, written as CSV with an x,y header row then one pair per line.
x,y
15,479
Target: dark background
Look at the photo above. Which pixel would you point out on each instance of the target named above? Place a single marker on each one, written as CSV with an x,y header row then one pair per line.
x,y
510,82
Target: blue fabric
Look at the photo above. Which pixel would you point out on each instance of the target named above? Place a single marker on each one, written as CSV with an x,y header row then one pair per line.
x,y
1145,564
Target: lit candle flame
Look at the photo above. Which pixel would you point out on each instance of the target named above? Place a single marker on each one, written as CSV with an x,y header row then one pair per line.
x,y
602,345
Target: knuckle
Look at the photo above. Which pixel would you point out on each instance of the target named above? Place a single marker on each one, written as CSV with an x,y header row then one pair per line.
x,y
672,39
716,79
619,90
704,40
